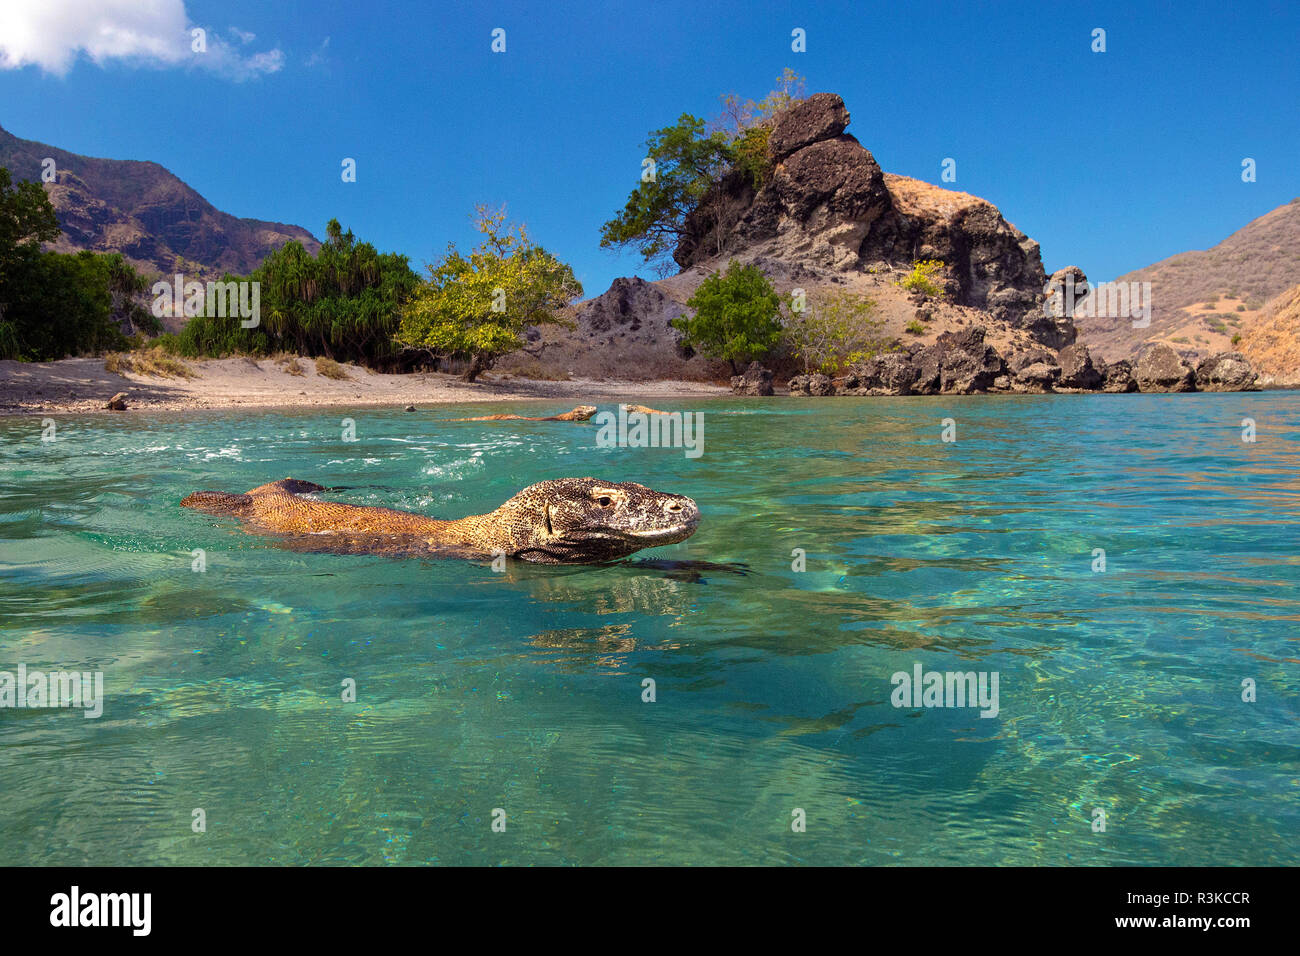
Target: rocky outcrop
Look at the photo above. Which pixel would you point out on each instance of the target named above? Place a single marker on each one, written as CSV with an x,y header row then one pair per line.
x,y
1031,370
1077,368
959,363
820,117
1160,369
826,204
889,374
962,363
117,403
817,385
1226,372
1117,377
755,380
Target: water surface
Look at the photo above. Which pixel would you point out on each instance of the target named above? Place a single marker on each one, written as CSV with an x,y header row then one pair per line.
x,y
1119,689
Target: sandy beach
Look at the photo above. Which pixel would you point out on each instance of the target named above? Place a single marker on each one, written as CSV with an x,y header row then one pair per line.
x,y
80,385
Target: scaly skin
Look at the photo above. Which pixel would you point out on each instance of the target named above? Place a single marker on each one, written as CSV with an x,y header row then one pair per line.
x,y
562,521
579,414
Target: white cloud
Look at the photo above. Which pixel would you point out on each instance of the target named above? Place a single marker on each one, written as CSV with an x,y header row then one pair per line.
x,y
51,34
318,56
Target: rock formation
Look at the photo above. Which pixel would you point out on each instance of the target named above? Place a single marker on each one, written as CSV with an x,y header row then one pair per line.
x,y
827,205
963,363
1160,369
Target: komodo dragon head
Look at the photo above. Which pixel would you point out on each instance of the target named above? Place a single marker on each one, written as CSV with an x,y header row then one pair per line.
x,y
584,520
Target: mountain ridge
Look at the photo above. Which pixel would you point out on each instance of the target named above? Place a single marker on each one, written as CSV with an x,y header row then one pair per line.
x,y
146,212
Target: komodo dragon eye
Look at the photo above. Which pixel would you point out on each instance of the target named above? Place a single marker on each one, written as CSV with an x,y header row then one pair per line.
x,y
604,501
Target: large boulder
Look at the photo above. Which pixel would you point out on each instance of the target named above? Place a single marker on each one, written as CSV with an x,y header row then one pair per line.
x,y
1160,369
1030,370
1077,368
965,362
117,403
1117,377
1019,361
821,116
755,380
817,385
1226,372
891,373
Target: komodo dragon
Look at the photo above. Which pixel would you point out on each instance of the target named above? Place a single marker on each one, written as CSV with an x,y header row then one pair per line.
x,y
562,521
579,414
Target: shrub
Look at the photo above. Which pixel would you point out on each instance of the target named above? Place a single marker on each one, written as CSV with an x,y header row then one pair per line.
x,y
921,278
329,368
915,327
833,333
736,316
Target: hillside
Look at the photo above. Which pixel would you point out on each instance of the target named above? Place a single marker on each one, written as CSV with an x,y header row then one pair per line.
x,y
1272,341
145,212
1202,299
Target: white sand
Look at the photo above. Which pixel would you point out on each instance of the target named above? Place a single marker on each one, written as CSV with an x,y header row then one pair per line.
x,y
83,385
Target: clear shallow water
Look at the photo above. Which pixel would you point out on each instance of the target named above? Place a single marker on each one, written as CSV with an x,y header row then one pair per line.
x,y
522,690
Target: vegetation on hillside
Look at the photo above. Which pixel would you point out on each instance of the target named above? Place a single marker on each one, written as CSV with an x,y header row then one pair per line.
x,y
343,303
685,160
833,332
56,304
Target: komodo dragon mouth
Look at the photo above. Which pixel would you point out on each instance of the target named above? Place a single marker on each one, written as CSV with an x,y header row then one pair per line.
x,y
562,521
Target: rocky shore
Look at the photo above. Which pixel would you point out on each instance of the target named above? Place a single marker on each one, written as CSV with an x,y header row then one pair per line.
x,y
963,363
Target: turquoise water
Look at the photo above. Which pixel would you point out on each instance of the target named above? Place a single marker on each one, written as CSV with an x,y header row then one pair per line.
x,y
1119,689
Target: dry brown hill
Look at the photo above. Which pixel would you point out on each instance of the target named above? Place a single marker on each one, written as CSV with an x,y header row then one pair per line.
x,y
144,212
1202,299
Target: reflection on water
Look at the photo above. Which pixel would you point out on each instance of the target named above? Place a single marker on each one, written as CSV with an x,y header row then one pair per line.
x,y
527,690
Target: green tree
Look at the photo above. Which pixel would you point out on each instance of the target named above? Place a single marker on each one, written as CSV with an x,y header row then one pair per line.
x,y
687,161
736,316
58,305
833,332
51,304
478,305
26,220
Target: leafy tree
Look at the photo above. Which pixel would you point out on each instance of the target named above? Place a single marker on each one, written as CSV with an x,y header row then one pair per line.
x,y
479,305
687,161
51,304
689,157
26,220
736,316
57,305
835,332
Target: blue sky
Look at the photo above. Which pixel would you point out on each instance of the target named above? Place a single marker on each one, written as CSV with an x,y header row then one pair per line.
x,y
1110,160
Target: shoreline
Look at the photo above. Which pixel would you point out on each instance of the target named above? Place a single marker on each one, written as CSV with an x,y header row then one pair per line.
x,y
83,385
77,386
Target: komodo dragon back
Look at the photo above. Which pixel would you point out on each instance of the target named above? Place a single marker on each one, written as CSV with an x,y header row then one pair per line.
x,y
561,521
